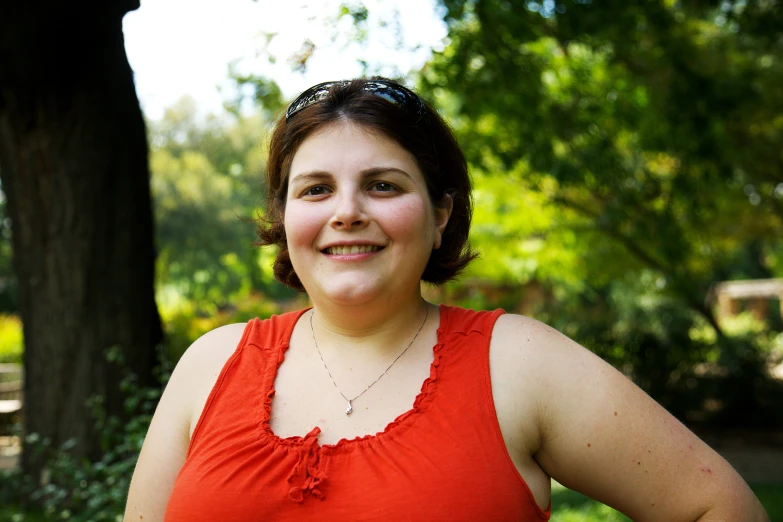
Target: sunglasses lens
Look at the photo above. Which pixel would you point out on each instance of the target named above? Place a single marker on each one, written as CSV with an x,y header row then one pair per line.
x,y
386,96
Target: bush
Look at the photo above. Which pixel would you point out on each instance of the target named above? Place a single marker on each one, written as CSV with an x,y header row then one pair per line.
x,y
11,341
77,489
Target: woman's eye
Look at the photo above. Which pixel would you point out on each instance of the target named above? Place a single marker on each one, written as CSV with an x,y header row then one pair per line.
x,y
318,190
382,186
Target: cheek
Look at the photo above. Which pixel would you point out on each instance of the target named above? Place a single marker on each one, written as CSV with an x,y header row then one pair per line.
x,y
300,227
412,220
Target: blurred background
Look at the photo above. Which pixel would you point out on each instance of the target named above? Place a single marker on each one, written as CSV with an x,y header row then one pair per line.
x,y
627,159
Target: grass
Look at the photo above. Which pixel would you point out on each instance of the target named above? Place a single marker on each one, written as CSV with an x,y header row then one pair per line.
x,y
570,506
771,497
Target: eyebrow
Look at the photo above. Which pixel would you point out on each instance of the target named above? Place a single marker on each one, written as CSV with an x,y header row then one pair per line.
x,y
318,175
315,175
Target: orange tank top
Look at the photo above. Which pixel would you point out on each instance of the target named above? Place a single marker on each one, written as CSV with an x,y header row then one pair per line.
x,y
445,459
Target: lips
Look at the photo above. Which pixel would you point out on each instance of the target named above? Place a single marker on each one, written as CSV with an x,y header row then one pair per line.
x,y
344,250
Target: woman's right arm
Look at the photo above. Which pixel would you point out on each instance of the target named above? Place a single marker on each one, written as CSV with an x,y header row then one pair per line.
x,y
168,437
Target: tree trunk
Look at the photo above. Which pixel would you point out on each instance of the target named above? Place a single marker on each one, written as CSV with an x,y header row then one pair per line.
x,y
73,164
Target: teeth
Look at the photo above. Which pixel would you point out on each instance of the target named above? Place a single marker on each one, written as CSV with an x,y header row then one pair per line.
x,y
353,249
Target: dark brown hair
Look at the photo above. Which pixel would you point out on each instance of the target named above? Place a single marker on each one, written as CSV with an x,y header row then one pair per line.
x,y
427,137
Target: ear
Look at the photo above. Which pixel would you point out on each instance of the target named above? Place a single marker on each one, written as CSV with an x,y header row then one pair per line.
x,y
442,214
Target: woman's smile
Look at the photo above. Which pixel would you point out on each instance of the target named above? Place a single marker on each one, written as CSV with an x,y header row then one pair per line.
x,y
351,250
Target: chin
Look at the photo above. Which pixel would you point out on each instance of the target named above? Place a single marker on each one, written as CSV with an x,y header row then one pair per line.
x,y
350,292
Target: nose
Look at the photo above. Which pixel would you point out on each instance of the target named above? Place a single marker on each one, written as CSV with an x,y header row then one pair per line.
x,y
348,212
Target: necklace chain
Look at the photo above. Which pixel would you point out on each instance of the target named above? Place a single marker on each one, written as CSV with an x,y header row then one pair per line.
x,y
349,409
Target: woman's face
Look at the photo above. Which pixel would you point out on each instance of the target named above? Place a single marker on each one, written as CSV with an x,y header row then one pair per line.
x,y
358,218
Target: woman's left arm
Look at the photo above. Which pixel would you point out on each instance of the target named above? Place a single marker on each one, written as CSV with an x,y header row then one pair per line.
x,y
604,437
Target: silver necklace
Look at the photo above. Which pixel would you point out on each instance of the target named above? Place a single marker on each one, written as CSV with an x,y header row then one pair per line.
x,y
349,409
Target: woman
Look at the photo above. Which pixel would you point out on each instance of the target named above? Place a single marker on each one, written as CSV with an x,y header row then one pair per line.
x,y
307,415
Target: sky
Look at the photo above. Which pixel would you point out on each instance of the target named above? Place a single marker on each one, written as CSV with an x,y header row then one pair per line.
x,y
184,47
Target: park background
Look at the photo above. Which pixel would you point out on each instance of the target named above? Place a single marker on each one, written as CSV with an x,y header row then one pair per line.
x,y
627,159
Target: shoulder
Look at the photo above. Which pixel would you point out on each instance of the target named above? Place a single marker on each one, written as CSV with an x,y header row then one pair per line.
x,y
512,330
525,357
539,377
213,347
535,348
541,347
556,372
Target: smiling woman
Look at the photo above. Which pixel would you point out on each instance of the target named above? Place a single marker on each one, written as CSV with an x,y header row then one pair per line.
x,y
376,405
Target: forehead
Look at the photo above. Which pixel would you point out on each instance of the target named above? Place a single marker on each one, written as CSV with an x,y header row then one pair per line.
x,y
341,146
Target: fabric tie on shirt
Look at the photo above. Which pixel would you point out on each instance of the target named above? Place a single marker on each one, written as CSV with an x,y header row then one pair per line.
x,y
307,473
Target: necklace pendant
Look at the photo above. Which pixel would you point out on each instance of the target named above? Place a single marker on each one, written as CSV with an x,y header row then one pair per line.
x,y
349,409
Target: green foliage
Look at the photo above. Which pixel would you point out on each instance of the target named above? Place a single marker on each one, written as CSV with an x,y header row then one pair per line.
x,y
264,92
80,490
207,186
15,513
570,506
650,126
184,324
771,497
11,341
626,156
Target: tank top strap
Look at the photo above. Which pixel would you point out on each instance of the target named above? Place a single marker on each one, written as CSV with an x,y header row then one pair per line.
x,y
272,337
272,332
463,321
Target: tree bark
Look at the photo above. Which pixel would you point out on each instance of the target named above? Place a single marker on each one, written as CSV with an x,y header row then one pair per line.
x,y
73,165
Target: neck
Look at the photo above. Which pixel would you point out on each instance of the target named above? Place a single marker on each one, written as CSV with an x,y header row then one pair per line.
x,y
366,327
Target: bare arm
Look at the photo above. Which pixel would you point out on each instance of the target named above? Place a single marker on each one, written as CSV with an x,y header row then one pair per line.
x,y
161,458
168,437
604,437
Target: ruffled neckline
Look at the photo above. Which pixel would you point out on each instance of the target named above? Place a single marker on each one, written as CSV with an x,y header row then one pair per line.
x,y
344,445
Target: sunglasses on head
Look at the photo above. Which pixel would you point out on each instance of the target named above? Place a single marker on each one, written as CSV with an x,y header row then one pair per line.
x,y
389,91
